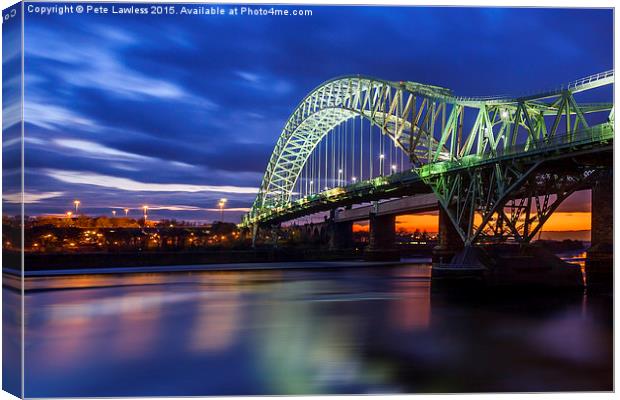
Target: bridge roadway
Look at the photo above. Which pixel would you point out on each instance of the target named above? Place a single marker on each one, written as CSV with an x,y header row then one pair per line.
x,y
403,205
596,141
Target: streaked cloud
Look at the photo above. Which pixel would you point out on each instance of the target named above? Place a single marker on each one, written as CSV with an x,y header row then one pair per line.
x,y
177,207
248,76
114,182
97,65
235,209
30,198
97,150
182,164
50,116
258,81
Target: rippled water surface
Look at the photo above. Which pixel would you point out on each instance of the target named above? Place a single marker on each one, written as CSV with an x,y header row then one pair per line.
x,y
348,330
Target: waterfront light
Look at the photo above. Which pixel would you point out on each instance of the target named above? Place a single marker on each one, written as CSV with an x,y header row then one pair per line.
x,y
114,213
69,214
394,167
77,204
145,208
222,204
354,179
126,211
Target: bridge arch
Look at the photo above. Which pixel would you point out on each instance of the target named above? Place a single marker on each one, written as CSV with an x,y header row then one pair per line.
x,y
388,105
475,172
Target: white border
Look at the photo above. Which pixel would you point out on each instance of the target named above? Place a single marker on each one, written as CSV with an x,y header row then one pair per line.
x,y
480,3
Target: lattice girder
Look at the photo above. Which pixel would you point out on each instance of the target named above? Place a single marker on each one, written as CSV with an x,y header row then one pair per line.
x,y
430,125
505,200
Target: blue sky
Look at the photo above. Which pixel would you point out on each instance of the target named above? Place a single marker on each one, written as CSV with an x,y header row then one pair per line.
x,y
179,111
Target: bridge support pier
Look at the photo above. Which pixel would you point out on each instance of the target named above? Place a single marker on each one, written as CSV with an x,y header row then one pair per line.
x,y
254,229
340,233
382,238
599,262
275,233
449,241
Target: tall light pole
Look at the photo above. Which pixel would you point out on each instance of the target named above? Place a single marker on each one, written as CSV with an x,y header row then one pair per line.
x,y
340,177
113,213
76,203
381,158
126,211
222,204
146,209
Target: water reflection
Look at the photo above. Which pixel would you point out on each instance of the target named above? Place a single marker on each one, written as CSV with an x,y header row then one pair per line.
x,y
301,331
216,323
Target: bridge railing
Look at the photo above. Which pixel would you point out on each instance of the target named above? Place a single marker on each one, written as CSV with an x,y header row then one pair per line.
x,y
593,134
590,79
535,93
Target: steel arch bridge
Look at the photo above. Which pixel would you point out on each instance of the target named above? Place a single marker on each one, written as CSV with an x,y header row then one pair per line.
x,y
474,164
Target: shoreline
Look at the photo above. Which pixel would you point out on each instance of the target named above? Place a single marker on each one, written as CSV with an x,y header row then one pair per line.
x,y
119,260
108,277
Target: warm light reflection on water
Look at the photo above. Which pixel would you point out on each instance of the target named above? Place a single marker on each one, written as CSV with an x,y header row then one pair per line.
x,y
345,330
577,257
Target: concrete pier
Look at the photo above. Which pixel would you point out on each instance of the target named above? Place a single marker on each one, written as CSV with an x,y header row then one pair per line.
x,y
340,235
382,238
599,262
450,241
275,233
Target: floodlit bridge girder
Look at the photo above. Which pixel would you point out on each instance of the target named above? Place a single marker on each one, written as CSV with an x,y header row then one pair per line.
x,y
467,162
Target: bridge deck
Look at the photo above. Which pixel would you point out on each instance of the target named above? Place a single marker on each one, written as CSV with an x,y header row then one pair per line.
x,y
591,140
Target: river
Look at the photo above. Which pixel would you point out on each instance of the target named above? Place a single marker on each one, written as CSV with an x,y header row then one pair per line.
x,y
345,330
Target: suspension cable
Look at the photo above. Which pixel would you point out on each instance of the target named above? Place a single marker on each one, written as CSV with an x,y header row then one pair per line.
x,y
371,158
361,148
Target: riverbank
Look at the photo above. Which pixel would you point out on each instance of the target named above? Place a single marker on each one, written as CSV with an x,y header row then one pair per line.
x,y
42,262
109,277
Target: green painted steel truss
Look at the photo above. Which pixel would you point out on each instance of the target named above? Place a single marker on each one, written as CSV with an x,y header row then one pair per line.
x,y
469,165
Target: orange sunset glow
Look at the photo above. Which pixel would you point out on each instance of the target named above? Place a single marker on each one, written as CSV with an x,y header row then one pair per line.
x,y
558,222
408,223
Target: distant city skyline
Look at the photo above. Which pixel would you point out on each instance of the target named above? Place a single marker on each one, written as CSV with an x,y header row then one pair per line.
x,y
177,112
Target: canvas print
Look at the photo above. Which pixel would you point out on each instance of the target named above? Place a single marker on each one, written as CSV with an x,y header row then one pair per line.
x,y
298,199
